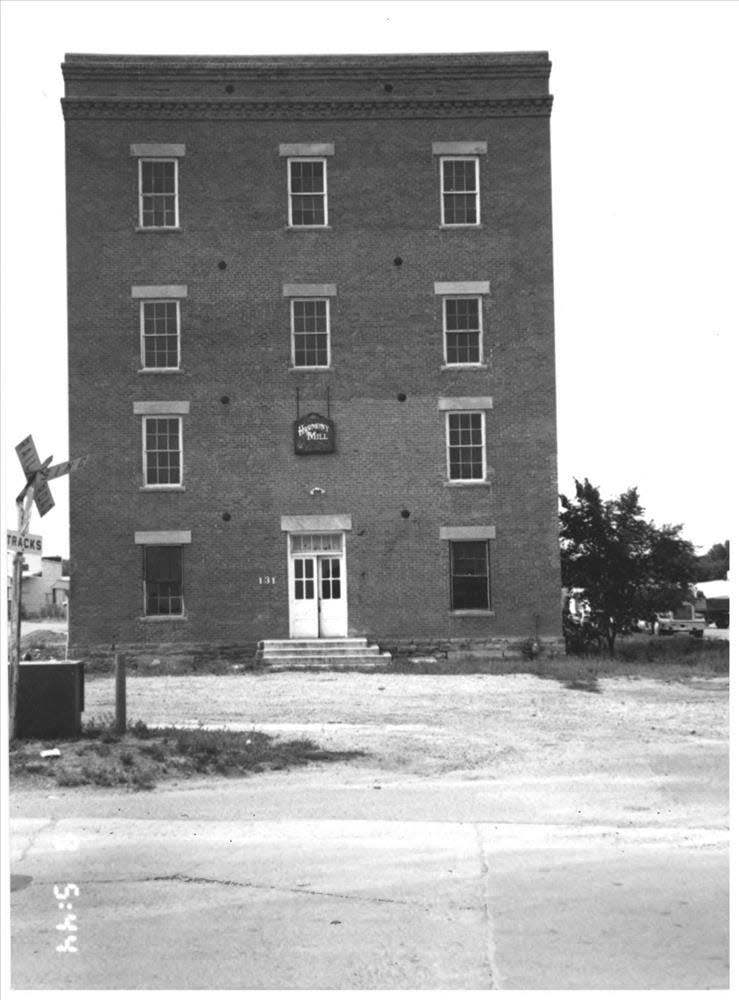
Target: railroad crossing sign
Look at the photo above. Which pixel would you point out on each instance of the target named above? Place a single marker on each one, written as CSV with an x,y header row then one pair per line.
x,y
54,471
36,491
38,473
25,543
28,456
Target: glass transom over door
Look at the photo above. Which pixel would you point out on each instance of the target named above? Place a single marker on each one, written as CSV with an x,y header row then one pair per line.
x,y
318,606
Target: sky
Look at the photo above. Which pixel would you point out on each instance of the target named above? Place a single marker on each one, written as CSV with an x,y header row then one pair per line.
x,y
644,155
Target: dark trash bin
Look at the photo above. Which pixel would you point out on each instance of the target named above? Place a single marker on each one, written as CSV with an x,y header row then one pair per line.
x,y
51,699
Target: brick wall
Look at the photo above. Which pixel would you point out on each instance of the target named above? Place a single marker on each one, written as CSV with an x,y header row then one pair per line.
x,y
386,322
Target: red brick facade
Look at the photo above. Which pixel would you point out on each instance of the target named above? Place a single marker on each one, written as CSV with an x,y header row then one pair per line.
x,y
381,257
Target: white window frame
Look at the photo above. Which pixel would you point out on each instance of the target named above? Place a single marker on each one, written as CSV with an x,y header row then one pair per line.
x,y
159,159
459,225
483,445
142,308
445,331
307,159
310,298
162,486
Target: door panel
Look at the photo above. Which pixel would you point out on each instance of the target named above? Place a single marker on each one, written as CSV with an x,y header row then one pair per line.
x,y
332,610
304,600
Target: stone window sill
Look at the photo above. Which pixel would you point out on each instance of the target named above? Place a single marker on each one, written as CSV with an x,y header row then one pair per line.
x,y
473,614
158,229
161,489
163,618
477,366
465,485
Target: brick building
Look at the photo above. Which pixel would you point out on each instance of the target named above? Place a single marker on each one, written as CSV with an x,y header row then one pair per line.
x,y
311,351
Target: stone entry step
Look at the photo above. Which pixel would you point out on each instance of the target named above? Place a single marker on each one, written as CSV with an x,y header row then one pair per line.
x,y
284,644
319,654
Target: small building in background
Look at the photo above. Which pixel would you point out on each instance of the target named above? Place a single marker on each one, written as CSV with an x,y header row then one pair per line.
x,y
45,594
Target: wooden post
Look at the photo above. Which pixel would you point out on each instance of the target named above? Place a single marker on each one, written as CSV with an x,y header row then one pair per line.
x,y
120,693
23,504
14,653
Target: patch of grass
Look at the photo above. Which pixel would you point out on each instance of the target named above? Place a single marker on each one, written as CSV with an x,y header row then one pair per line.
x,y
100,725
681,650
143,756
67,778
667,658
36,767
154,750
458,665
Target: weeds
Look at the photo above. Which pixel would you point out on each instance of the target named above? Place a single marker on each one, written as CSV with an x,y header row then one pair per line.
x,y
665,659
678,650
677,658
144,756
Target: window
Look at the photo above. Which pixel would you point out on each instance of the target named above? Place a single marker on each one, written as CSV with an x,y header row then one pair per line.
x,y
462,331
310,333
460,191
333,542
307,192
158,208
160,335
305,570
470,574
162,451
163,591
466,446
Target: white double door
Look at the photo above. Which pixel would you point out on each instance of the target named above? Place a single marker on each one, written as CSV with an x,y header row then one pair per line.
x,y
318,606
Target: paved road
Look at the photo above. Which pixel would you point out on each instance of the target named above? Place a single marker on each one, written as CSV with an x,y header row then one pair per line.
x,y
333,878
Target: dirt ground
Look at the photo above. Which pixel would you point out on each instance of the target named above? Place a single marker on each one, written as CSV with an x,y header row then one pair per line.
x,y
476,725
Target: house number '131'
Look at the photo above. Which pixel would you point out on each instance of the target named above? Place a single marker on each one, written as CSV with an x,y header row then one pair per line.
x,y
267,579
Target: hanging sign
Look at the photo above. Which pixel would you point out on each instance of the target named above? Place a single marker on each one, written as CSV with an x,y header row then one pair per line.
x,y
314,434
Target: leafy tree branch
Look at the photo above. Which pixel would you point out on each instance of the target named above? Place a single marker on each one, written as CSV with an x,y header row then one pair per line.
x,y
626,566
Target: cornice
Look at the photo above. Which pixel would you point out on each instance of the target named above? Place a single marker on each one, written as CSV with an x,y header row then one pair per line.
x,y
89,67
152,109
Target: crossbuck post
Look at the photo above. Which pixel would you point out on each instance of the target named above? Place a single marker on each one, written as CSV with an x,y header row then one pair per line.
x,y
35,491
23,504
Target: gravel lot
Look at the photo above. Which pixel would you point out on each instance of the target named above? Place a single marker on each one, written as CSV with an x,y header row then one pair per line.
x,y
491,726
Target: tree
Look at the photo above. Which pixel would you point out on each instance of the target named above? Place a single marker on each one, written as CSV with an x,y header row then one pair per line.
x,y
626,566
714,565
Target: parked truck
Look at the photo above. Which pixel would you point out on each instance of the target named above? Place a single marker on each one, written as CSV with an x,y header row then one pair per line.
x,y
684,620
